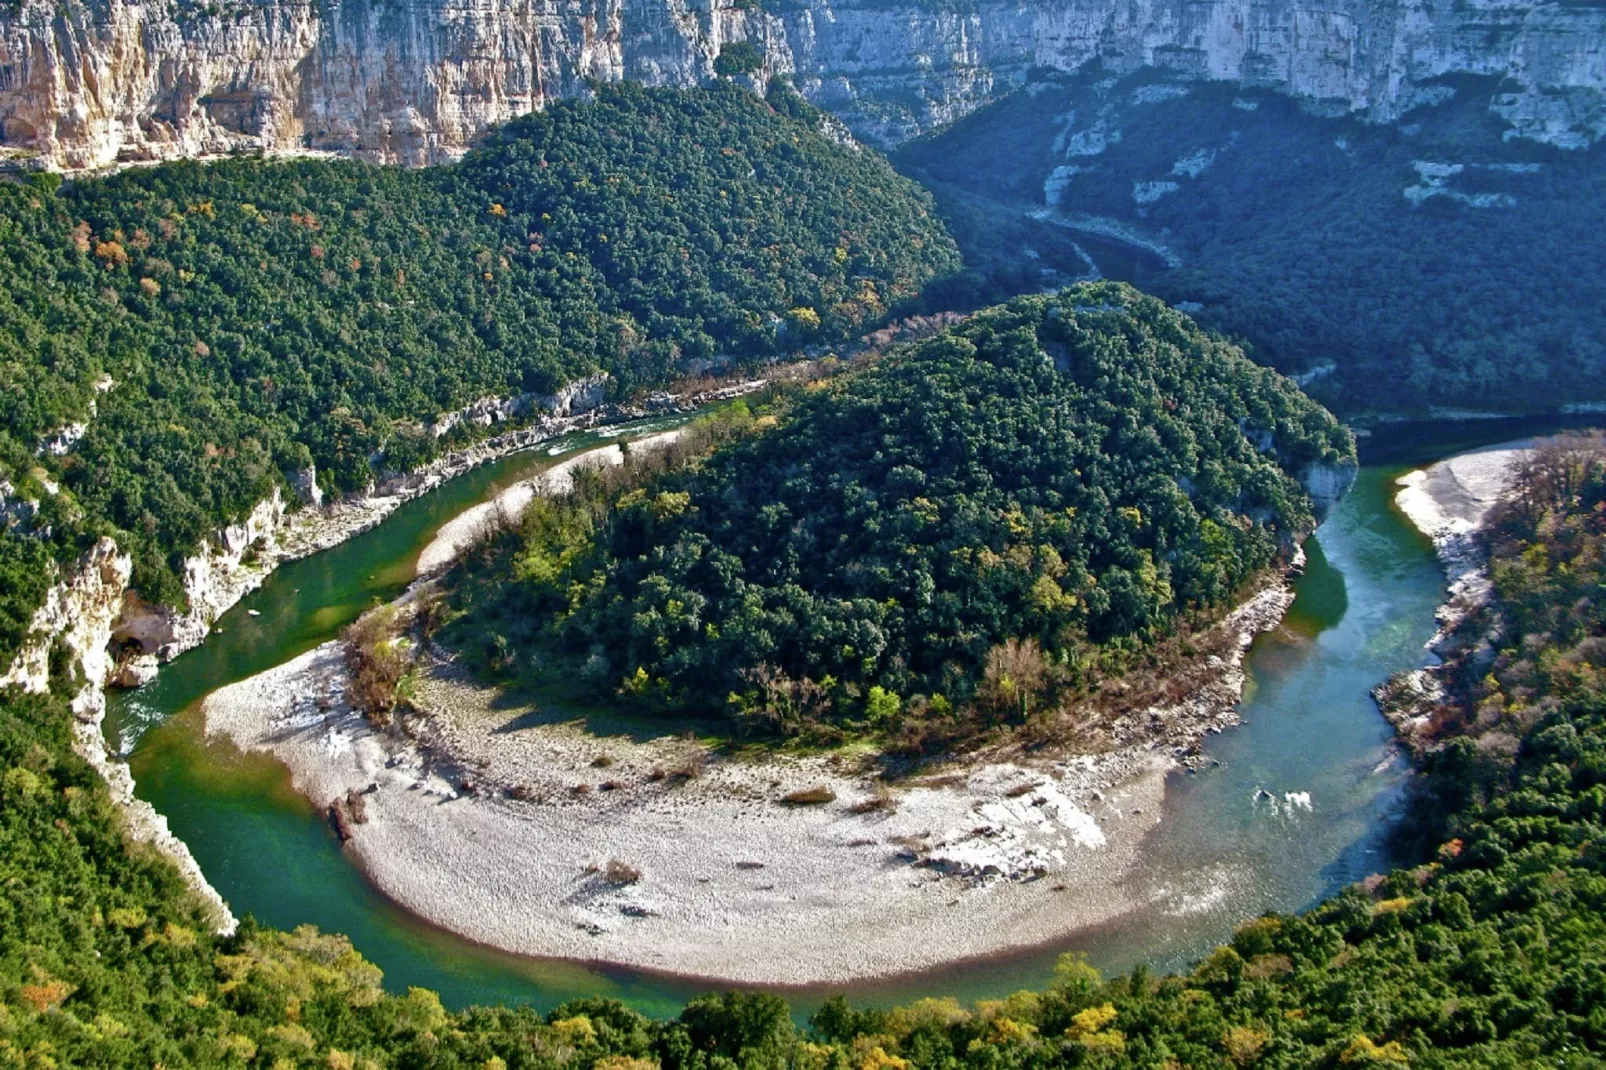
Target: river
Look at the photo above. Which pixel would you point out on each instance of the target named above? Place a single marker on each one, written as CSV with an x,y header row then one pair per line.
x,y
1297,805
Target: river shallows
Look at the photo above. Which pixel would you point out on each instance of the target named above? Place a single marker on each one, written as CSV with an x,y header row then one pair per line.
x,y
1314,743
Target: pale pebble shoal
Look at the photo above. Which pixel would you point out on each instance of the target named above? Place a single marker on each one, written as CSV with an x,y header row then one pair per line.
x,y
735,885
472,525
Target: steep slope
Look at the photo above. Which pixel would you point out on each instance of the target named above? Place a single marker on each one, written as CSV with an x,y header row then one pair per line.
x,y
1438,262
179,344
89,82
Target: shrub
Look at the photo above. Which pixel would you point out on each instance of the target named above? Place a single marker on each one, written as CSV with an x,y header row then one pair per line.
x,y
689,763
378,661
1244,1043
1014,677
738,57
817,796
880,800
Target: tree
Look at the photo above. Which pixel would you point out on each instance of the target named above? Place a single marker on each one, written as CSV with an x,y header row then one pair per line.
x,y
1015,676
737,58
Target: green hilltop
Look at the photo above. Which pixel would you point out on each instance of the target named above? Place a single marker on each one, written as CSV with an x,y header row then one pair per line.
x,y
1045,491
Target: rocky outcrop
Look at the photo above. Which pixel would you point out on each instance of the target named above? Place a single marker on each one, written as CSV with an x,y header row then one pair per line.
x,y
86,83
78,618
136,671
578,397
574,398
225,570
1326,484
304,481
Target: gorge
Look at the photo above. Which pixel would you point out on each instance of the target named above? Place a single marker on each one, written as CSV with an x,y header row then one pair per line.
x,y
514,515
1365,605
87,83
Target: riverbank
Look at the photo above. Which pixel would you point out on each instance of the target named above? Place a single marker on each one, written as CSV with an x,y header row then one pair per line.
x,y
472,525
241,560
521,829
1448,502
93,607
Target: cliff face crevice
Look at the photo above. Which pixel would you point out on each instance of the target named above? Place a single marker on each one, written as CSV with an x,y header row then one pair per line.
x,y
86,83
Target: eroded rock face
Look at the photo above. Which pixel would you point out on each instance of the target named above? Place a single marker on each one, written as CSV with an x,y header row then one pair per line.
x,y
1326,484
78,614
217,577
86,83
78,617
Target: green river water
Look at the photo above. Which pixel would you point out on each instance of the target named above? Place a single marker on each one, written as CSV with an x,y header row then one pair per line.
x,y
1222,853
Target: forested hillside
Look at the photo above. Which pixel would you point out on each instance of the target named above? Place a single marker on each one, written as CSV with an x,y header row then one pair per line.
x,y
1491,954
206,328
1434,261
975,528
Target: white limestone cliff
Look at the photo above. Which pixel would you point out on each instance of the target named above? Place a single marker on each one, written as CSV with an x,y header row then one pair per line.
x,y
225,570
78,616
1327,484
87,83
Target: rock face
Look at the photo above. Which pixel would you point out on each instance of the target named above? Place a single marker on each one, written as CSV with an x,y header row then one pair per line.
x,y
1326,484
214,580
86,83
575,398
78,616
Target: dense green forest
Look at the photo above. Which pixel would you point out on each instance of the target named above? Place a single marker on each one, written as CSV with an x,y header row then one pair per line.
x,y
1433,260
971,529
1491,954
976,525
214,326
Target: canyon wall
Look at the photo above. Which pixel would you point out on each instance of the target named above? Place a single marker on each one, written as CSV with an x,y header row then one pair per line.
x,y
98,631
87,83
77,618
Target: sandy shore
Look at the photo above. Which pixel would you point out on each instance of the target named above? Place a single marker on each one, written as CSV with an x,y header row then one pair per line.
x,y
1448,502
734,884
502,824
470,526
